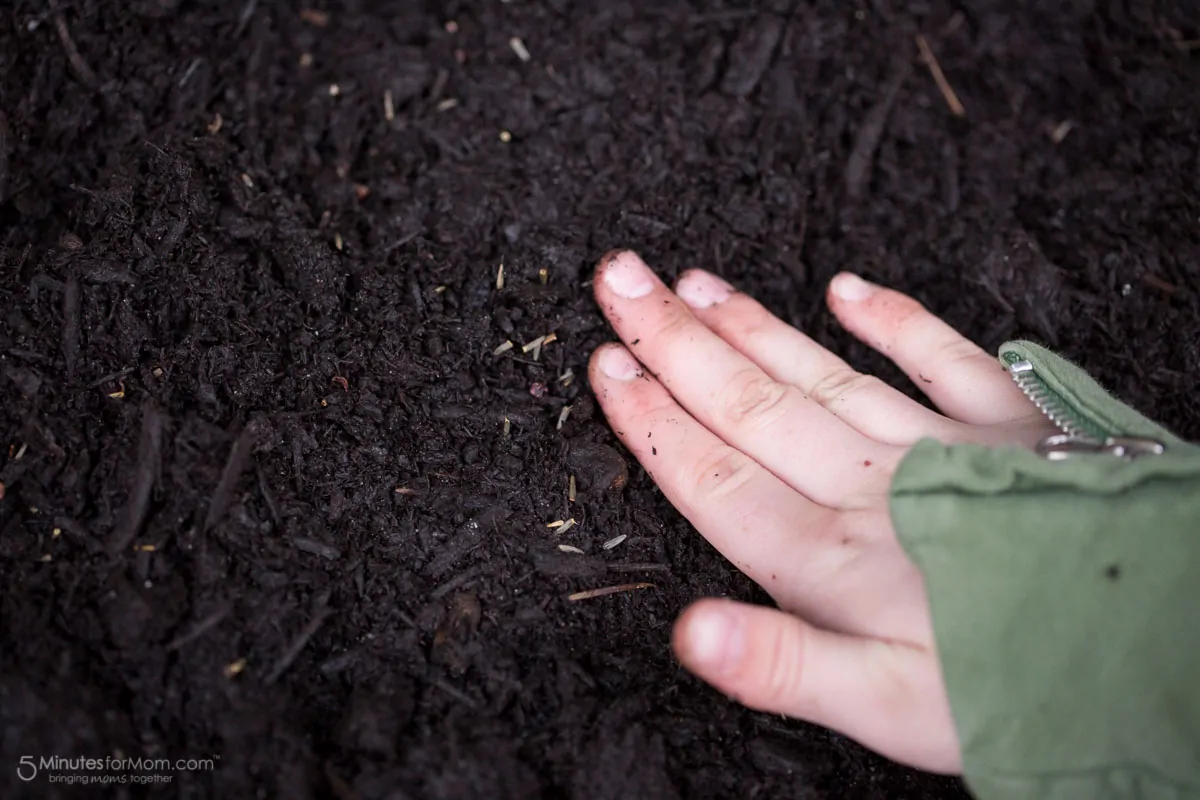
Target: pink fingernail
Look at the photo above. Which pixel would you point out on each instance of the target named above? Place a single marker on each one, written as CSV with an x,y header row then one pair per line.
x,y
618,364
700,289
716,640
851,288
628,276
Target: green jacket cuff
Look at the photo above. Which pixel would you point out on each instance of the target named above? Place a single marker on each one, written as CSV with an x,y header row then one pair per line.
x,y
1065,597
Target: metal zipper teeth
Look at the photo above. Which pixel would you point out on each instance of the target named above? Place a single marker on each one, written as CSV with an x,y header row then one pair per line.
x,y
1051,404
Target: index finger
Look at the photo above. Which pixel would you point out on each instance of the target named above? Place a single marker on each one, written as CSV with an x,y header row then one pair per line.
x,y
774,423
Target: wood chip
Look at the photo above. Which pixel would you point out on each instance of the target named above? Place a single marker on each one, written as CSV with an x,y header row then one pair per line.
x,y
406,490
566,378
506,428
607,590
566,548
147,548
535,344
613,542
449,103
504,348
571,490
389,106
550,337
558,523
500,277
566,526
562,417
544,275
235,668
247,181
519,48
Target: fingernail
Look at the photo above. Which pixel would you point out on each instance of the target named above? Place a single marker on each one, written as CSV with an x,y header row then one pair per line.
x,y
628,276
852,288
716,641
700,289
618,364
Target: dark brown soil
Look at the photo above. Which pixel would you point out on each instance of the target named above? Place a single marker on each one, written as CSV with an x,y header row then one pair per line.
x,y
251,413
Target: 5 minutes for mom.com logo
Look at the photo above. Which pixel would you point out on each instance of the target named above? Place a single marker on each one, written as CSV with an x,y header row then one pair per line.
x,y
110,769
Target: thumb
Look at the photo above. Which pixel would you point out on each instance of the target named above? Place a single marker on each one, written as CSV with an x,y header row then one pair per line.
x,y
886,695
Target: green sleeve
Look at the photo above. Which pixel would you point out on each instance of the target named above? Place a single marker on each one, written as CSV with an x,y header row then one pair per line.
x,y
1065,597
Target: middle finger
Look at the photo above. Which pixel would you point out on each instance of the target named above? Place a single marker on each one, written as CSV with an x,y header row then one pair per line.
x,y
774,423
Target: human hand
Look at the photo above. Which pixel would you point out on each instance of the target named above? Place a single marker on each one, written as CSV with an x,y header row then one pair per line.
x,y
781,456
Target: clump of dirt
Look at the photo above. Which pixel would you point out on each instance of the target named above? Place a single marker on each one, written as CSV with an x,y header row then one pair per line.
x,y
271,496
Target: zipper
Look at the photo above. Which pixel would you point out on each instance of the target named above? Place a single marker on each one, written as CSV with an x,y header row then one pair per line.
x,y
1080,434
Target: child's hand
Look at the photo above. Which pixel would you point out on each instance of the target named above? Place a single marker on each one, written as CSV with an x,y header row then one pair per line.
x,y
781,455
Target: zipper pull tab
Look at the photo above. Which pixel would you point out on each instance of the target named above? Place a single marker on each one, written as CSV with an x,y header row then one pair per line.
x,y
1062,446
1080,434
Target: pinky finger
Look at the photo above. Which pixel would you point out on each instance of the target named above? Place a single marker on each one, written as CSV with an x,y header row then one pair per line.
x,y
886,695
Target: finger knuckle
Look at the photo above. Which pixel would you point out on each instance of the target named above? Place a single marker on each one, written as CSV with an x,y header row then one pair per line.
x,y
783,675
722,473
752,398
956,351
673,326
838,385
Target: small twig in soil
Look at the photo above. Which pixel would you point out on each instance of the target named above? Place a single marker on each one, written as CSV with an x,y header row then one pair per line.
x,y
70,332
239,455
244,19
637,567
202,627
1158,283
268,497
312,546
144,477
457,694
939,77
112,376
458,581
82,71
858,165
607,590
187,73
321,613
